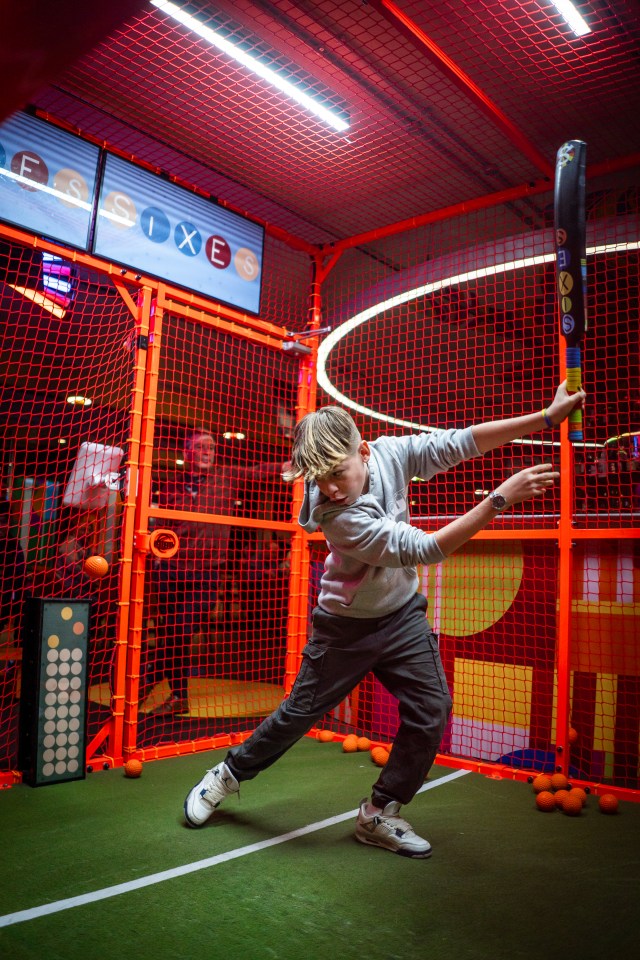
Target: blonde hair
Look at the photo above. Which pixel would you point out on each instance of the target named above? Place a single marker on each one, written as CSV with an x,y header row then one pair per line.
x,y
321,440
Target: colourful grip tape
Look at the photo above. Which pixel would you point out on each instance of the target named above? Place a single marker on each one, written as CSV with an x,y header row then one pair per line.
x,y
574,383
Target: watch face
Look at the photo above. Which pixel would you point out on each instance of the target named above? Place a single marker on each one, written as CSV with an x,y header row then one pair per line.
x,y
498,501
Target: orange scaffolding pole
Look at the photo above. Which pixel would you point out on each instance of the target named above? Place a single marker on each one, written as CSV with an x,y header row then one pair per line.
x,y
300,555
565,580
140,546
484,202
118,705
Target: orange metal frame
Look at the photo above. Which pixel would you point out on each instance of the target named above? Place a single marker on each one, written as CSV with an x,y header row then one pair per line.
x,y
116,742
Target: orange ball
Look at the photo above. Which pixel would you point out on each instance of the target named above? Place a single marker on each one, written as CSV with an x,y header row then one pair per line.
x,y
96,567
560,795
364,743
572,805
608,803
545,801
379,756
573,735
132,768
325,736
350,743
579,792
542,782
559,782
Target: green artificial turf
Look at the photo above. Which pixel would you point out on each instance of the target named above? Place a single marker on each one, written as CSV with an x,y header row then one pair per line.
x,y
504,881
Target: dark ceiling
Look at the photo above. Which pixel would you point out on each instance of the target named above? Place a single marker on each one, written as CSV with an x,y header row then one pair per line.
x,y
447,101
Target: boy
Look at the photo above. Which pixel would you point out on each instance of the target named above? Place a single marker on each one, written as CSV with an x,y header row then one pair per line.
x,y
369,615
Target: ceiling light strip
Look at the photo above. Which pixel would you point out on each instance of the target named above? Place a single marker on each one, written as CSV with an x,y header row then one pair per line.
x,y
572,18
251,63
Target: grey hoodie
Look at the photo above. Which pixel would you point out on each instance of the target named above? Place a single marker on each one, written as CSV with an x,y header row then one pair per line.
x,y
373,549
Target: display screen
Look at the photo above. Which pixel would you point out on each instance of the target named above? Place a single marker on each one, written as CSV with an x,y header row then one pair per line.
x,y
166,231
47,180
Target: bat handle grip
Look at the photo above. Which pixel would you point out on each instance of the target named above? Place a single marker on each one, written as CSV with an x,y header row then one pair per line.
x,y
574,383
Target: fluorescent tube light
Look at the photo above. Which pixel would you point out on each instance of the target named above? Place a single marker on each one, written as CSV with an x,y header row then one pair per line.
x,y
571,17
252,63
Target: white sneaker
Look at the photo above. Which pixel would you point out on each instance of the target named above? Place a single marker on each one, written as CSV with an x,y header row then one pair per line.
x,y
208,794
388,830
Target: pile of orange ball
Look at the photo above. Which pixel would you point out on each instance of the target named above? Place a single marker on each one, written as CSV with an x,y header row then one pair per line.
x,y
352,743
554,792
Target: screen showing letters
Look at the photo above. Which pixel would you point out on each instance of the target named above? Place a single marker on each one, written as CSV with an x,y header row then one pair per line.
x,y
47,180
164,230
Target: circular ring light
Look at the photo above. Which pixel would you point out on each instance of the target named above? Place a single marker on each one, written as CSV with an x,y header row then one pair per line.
x,y
438,276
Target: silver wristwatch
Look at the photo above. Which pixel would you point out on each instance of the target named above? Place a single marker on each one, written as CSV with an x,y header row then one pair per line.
x,y
498,502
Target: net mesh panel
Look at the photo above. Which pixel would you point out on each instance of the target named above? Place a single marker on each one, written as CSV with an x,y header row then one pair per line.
x,y
56,518
164,96
216,613
605,660
525,44
469,348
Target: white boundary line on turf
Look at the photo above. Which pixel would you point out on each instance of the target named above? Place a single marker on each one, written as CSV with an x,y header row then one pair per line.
x,y
57,906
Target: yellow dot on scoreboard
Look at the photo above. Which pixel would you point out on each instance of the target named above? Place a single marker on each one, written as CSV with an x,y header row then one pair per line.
x,y
476,587
78,628
66,613
53,641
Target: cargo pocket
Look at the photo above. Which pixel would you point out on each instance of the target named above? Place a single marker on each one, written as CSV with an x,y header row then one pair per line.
x,y
305,687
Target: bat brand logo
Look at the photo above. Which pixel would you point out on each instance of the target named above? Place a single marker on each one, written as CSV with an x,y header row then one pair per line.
x,y
566,154
561,236
565,283
564,258
568,324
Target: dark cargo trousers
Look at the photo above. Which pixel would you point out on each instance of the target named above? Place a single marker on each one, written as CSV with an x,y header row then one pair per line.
x,y
402,652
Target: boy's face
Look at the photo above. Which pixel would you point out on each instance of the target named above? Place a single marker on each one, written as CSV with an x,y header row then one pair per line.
x,y
349,479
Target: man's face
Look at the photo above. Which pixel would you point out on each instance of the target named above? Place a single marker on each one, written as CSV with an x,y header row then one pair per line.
x,y
349,479
202,454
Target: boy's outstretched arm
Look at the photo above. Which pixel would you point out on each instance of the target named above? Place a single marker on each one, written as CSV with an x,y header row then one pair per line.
x,y
530,482
496,433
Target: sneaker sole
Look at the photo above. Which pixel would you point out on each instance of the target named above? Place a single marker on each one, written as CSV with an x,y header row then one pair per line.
x,y
411,854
